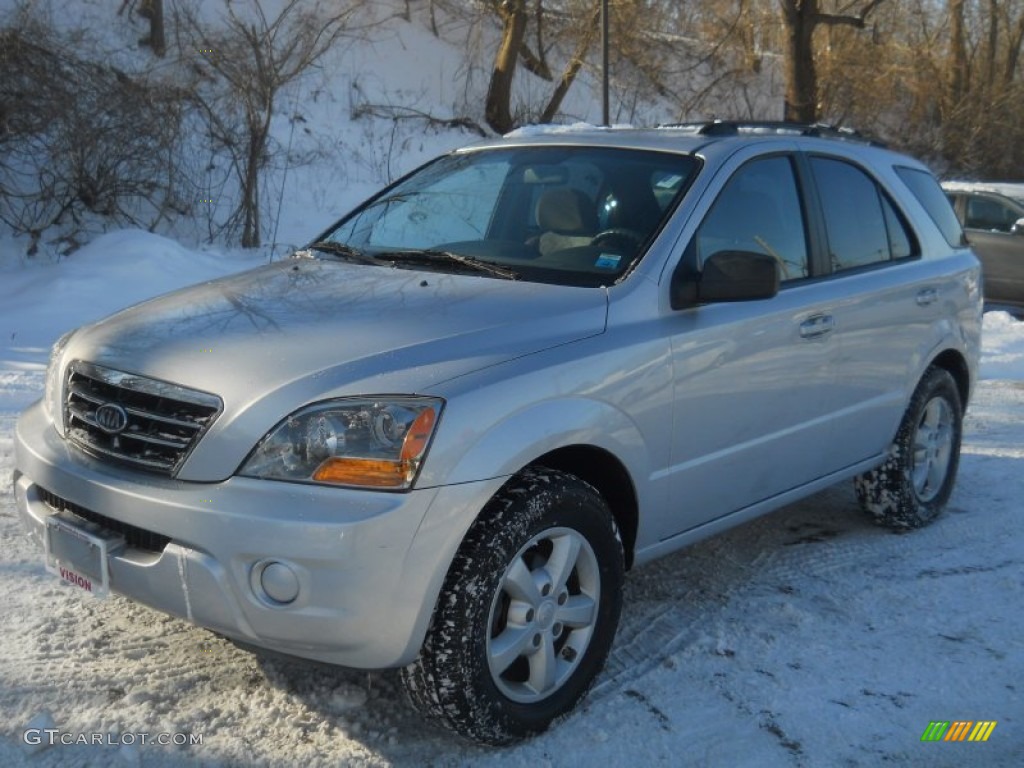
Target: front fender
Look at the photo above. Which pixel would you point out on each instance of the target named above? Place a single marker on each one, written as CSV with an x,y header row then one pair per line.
x,y
480,462
524,434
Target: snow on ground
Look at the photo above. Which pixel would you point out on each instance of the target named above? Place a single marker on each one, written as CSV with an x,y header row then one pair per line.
x,y
1004,355
40,299
809,637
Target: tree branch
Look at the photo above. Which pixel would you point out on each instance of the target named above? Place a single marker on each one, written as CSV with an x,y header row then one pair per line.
x,y
397,113
533,63
858,21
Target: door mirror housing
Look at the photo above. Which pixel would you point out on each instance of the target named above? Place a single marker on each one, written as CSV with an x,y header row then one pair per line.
x,y
1018,227
727,276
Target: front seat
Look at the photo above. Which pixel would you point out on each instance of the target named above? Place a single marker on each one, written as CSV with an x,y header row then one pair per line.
x,y
567,219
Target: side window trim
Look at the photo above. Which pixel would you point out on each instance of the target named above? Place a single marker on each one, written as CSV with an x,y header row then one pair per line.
x,y
814,218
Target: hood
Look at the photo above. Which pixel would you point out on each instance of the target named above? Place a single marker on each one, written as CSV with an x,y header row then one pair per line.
x,y
272,339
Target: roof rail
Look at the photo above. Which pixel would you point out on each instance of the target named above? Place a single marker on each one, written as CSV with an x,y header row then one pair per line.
x,y
772,127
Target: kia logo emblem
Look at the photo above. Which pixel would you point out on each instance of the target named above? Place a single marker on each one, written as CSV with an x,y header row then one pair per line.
x,y
111,418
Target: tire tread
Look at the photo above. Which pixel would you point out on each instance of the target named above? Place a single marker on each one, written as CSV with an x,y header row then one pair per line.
x,y
441,682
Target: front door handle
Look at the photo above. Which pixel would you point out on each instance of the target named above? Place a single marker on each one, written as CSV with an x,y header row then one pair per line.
x,y
817,326
926,296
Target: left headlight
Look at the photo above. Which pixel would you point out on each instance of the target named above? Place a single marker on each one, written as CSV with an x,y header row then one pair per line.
x,y
367,443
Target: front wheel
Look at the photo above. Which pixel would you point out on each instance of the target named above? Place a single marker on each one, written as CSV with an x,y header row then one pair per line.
x,y
527,614
912,486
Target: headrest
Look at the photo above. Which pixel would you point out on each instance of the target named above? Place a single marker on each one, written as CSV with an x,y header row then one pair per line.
x,y
566,210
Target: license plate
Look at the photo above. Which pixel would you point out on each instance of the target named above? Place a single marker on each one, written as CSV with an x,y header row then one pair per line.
x,y
78,551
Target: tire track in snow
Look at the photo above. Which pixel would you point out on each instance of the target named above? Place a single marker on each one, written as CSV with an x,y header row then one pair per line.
x,y
678,601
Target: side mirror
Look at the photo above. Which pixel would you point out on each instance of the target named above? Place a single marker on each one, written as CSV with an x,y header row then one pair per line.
x,y
727,276
1018,227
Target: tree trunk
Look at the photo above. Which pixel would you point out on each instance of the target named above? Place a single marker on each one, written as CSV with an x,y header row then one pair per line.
x,y
957,52
1013,52
251,190
153,11
993,42
535,64
498,109
157,37
800,18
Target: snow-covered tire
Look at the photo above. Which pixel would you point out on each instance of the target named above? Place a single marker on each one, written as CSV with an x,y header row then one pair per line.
x,y
527,613
912,486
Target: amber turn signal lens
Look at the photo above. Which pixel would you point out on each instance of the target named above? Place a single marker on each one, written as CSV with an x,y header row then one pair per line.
x,y
416,438
374,473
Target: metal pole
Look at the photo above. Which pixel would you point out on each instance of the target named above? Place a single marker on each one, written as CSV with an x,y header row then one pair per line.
x,y
604,64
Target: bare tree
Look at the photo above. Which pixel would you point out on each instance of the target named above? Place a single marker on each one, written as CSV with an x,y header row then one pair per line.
x,y
498,109
1013,47
153,10
574,28
253,56
957,51
573,66
800,19
933,80
82,141
157,40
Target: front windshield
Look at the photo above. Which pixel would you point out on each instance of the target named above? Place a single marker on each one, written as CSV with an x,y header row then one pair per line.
x,y
570,215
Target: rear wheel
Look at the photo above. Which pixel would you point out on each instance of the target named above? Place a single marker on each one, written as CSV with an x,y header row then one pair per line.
x,y
527,614
912,486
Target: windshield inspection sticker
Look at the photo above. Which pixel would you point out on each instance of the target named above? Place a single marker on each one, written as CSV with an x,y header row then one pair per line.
x,y
607,261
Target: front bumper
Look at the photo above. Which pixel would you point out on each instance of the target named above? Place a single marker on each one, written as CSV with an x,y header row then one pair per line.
x,y
369,565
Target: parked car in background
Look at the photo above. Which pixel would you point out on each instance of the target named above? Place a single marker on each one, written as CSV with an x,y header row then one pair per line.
x,y
438,437
992,215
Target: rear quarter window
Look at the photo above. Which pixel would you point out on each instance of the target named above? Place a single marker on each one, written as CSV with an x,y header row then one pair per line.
x,y
928,192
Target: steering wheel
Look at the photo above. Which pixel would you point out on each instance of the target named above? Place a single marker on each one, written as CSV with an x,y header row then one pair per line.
x,y
618,237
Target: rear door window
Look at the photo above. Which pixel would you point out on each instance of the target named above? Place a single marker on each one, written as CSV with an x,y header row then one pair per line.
x,y
862,225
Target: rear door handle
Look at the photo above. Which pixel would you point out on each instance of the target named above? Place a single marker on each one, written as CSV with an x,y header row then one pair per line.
x,y
926,296
816,327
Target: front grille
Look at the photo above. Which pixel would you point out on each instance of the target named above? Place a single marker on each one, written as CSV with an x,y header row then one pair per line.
x,y
156,423
136,537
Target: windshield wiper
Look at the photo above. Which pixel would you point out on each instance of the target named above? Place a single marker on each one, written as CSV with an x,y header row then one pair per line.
x,y
346,252
431,257
426,257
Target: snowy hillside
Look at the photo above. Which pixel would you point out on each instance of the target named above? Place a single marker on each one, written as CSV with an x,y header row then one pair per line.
x,y
356,121
388,96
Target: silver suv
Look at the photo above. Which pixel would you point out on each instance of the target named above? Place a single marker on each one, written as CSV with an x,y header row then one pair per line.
x,y
438,437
